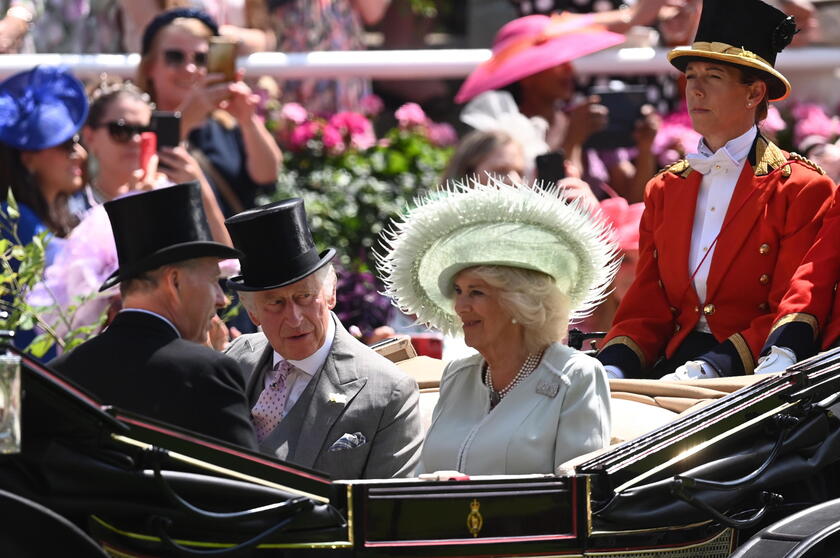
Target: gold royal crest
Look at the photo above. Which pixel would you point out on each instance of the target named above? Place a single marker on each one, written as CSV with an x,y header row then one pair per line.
x,y
474,519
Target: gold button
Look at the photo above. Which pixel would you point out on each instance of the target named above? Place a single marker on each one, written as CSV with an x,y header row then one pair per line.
x,y
764,306
659,282
764,279
764,249
674,310
655,254
709,309
696,308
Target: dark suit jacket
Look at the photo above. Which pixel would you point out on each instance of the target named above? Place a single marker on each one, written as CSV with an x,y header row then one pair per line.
x,y
140,364
355,391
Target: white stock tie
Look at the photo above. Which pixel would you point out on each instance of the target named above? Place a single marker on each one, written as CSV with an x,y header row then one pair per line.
x,y
271,404
719,161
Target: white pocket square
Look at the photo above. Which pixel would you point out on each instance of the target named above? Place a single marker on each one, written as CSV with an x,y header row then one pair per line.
x,y
349,441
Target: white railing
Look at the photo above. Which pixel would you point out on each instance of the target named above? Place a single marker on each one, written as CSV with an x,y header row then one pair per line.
x,y
812,70
405,64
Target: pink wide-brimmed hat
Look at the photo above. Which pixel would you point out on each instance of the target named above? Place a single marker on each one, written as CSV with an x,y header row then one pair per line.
x,y
531,44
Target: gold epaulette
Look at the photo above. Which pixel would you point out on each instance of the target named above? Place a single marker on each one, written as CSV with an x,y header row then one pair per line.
x,y
681,168
807,162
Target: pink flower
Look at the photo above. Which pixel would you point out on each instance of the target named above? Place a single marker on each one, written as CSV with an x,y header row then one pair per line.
x,y
675,137
442,134
371,104
774,122
333,139
812,120
302,134
410,114
294,112
355,128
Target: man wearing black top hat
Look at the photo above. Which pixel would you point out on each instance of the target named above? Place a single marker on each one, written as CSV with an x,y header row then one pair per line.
x,y
319,398
149,359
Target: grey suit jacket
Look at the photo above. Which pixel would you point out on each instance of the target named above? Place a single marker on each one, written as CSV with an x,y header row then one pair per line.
x,y
355,391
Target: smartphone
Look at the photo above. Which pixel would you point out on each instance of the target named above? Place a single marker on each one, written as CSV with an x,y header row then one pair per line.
x,y
221,59
167,126
148,147
551,167
625,104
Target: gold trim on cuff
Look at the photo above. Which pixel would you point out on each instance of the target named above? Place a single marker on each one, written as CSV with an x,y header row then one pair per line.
x,y
809,319
744,352
630,344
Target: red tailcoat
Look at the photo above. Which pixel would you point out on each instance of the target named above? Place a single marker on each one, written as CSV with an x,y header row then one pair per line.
x,y
772,219
810,306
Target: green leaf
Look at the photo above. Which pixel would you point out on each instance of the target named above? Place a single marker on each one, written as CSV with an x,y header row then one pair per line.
x,y
40,345
12,206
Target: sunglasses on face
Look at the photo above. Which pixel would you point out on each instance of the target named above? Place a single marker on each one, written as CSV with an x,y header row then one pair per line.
x,y
123,132
176,58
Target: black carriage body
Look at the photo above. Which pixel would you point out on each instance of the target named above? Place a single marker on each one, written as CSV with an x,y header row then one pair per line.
x,y
144,488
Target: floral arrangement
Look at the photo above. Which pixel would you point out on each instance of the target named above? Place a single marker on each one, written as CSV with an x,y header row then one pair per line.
x,y
353,183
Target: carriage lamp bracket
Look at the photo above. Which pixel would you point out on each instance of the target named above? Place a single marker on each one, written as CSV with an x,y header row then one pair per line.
x,y
577,337
767,501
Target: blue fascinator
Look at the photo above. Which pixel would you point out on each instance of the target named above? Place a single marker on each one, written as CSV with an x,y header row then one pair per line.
x,y
41,108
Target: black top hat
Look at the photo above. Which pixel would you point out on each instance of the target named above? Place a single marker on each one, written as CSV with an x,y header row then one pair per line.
x,y
743,32
161,227
277,246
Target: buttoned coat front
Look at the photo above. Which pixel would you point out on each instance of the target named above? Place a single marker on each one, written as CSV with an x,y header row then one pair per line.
x,y
559,412
772,219
355,391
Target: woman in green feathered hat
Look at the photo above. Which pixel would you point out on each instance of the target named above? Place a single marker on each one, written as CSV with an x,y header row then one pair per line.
x,y
506,266
723,229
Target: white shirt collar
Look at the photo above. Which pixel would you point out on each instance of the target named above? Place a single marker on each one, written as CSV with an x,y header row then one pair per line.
x,y
311,364
155,314
737,148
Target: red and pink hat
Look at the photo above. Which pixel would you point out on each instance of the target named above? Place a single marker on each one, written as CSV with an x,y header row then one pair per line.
x,y
531,44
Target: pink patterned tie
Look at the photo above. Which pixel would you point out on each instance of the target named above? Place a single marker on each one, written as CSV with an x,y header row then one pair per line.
x,y
271,404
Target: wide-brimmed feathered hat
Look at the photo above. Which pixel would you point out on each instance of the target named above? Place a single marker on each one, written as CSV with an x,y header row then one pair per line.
x,y
528,45
746,33
468,224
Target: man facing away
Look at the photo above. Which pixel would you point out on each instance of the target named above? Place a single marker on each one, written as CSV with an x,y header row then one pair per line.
x,y
319,398
149,359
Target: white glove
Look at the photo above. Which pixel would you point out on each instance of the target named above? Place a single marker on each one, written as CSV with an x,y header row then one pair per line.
x,y
691,370
614,372
778,360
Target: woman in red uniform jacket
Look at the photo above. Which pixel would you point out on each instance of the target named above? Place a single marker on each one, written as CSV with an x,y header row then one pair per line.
x,y
724,230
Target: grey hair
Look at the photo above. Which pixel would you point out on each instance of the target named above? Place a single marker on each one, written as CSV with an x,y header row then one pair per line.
x,y
533,299
325,277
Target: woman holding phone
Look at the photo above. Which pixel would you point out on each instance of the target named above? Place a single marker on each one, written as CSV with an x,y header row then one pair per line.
x,y
218,120
119,115
724,229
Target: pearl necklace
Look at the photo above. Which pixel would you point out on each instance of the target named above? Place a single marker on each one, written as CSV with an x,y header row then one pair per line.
x,y
528,366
